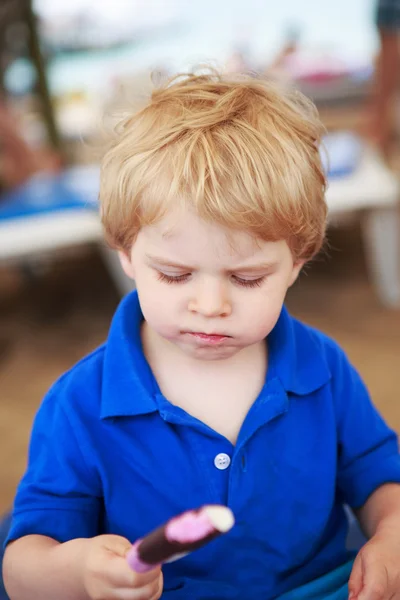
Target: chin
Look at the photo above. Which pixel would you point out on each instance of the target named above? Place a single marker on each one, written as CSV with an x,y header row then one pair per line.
x,y
210,353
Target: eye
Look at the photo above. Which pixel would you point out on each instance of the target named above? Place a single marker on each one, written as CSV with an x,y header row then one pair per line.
x,y
249,283
173,278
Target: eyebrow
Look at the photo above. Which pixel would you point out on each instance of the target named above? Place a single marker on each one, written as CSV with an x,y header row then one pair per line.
x,y
247,268
168,263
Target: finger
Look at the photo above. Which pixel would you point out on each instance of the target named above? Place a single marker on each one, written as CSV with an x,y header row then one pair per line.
x,y
116,544
151,591
159,588
356,578
119,573
117,569
376,583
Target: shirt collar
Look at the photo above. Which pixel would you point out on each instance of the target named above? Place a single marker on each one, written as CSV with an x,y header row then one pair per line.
x,y
129,387
296,355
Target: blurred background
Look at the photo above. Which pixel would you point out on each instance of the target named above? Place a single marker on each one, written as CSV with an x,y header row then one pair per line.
x,y
68,69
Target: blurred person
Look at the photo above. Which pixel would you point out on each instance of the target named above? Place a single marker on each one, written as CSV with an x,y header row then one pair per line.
x,y
290,46
382,120
207,389
18,163
18,160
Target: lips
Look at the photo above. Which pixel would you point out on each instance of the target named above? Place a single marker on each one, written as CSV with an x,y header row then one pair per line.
x,y
208,338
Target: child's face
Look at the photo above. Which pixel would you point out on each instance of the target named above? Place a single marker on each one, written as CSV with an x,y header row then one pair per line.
x,y
209,292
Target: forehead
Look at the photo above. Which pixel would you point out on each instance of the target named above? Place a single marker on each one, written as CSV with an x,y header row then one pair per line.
x,y
186,236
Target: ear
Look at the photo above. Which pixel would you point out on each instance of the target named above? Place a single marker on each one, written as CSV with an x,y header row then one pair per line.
x,y
126,264
298,265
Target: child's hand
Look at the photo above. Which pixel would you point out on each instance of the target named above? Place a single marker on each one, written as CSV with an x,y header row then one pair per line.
x,y
107,576
376,570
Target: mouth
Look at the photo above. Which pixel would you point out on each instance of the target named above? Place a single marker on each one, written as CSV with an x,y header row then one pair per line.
x,y
209,338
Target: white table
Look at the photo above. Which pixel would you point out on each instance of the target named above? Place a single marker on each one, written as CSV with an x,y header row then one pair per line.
x,y
372,191
29,237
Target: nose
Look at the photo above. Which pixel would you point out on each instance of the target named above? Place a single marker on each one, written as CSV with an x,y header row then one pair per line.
x,y
211,300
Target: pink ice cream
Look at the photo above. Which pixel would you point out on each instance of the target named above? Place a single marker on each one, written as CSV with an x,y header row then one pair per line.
x,y
179,536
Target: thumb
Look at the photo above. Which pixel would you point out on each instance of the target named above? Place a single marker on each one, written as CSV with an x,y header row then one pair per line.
x,y
116,544
356,578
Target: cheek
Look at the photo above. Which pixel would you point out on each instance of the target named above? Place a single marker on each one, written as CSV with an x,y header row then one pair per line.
x,y
259,325
261,314
157,316
159,306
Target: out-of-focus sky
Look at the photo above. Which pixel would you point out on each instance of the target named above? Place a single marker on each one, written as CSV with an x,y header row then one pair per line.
x,y
114,11
206,31
347,23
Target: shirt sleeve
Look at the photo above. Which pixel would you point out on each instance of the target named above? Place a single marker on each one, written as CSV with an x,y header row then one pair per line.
x,y
368,453
59,494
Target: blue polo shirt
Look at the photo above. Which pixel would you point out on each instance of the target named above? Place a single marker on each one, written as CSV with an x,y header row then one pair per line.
x,y
110,454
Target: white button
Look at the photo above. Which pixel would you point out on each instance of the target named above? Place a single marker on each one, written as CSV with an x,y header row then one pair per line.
x,y
222,461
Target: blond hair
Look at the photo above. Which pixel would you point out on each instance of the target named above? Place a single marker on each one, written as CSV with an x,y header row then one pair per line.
x,y
239,152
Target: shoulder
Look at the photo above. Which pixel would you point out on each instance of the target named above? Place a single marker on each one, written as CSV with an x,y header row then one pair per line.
x,y
78,390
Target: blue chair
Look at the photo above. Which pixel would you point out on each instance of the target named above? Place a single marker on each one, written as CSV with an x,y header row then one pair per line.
x,y
4,527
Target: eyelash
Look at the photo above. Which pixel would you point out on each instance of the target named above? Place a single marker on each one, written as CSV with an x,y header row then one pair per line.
x,y
250,283
171,279
246,283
